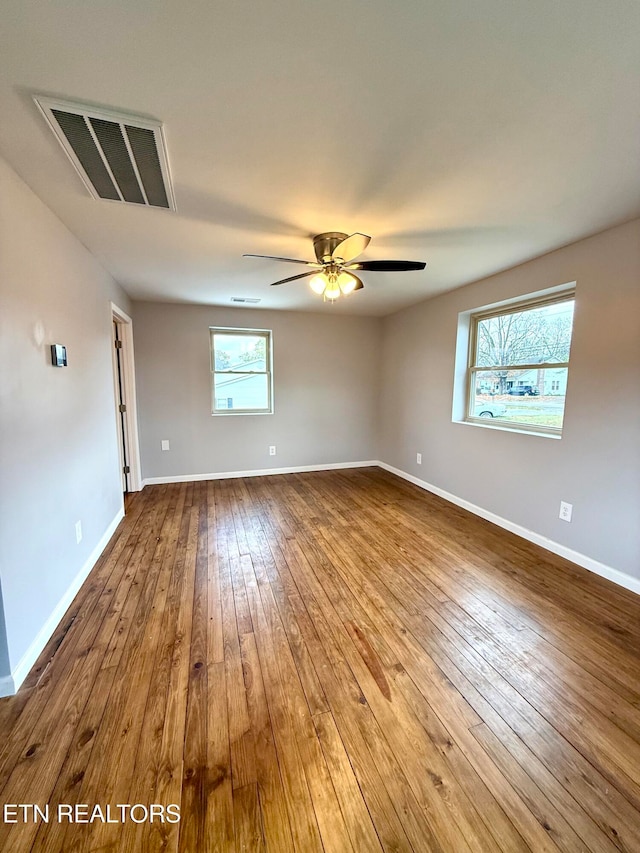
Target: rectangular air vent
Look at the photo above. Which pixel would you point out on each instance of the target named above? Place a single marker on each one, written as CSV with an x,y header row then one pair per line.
x,y
250,299
119,157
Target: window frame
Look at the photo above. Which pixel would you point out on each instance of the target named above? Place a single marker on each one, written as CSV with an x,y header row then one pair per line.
x,y
268,371
515,307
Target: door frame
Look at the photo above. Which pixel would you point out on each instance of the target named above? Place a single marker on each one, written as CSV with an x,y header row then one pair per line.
x,y
125,329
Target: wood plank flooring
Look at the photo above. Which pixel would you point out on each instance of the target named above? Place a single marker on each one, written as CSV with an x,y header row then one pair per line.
x,y
330,661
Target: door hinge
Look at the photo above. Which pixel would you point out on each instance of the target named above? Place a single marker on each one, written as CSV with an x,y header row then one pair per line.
x,y
117,344
126,470
122,408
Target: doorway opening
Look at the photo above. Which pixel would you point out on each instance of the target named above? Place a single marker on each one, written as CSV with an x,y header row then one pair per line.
x,y
125,400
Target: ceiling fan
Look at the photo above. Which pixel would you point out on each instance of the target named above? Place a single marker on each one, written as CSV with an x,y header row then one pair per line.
x,y
333,271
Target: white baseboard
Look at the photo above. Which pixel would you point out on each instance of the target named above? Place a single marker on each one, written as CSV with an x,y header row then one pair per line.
x,y
43,636
260,472
608,572
7,686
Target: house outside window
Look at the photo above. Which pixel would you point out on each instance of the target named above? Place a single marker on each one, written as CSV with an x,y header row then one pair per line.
x,y
519,364
242,377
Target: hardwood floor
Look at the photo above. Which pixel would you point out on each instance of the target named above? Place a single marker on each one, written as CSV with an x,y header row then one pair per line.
x,y
330,661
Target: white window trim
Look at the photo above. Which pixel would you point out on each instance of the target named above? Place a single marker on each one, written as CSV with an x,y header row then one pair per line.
x,y
268,336
566,294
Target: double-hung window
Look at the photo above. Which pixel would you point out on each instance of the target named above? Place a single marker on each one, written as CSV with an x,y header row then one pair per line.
x,y
519,363
242,379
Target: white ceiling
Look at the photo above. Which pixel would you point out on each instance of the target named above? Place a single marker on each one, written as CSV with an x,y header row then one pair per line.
x,y
471,135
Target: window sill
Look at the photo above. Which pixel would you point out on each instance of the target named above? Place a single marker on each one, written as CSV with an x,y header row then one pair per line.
x,y
505,428
231,414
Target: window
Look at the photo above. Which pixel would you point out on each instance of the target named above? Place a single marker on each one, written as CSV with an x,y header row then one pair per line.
x,y
519,364
241,370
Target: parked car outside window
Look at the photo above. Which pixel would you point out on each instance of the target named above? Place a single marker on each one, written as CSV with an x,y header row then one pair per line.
x,y
490,410
523,391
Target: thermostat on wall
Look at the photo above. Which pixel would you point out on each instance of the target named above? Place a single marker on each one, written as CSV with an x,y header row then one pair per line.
x,y
58,355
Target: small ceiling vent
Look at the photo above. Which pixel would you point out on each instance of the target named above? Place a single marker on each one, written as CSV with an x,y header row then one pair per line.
x,y
251,299
119,157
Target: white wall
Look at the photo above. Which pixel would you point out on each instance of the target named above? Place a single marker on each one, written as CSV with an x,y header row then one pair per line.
x,y
519,477
326,371
58,450
5,669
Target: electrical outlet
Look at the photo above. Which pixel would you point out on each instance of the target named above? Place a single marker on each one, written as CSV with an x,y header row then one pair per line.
x,y
78,532
566,511
272,450
419,458
164,444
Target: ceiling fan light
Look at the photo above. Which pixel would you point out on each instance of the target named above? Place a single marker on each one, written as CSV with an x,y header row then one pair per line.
x,y
347,282
332,290
318,284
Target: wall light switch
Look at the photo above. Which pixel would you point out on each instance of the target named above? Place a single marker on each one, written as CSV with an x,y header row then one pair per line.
x,y
165,444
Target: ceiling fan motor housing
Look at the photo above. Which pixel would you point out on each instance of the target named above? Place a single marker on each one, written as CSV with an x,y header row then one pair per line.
x,y
324,244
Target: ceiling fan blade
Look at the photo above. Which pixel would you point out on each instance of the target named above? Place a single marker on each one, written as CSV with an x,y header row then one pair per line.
x,y
387,266
286,260
351,247
293,278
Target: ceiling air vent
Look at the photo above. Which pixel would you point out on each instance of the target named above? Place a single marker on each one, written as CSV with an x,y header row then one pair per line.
x,y
119,157
250,299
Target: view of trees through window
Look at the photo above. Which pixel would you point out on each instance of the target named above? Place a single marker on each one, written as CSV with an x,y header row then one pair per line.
x,y
520,366
239,351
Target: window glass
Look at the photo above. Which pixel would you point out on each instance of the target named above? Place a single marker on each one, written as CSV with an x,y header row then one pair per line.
x,y
241,393
240,352
519,365
241,367
540,334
